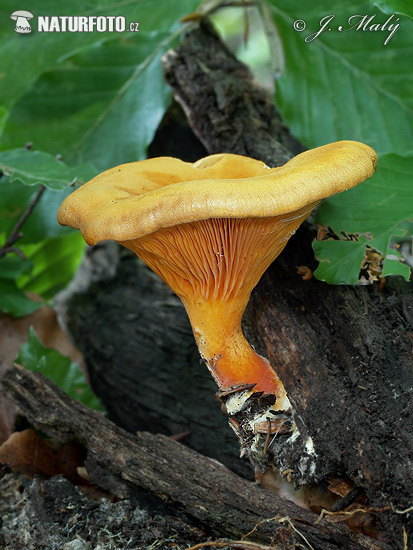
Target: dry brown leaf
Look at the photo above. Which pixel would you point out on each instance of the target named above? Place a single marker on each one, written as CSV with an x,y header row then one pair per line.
x,y
27,453
340,487
305,272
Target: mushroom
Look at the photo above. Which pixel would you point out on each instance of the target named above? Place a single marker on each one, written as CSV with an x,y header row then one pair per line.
x,y
22,18
209,230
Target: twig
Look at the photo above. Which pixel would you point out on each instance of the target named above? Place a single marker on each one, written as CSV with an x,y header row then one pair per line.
x,y
348,513
16,234
266,520
17,251
286,519
405,511
344,514
280,519
267,439
242,545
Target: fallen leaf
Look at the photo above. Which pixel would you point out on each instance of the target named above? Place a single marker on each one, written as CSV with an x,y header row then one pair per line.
x,y
27,453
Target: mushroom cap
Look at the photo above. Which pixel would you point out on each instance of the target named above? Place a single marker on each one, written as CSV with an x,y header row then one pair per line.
x,y
21,13
133,200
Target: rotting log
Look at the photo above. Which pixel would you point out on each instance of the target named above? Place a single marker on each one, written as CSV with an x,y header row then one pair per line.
x,y
343,353
203,488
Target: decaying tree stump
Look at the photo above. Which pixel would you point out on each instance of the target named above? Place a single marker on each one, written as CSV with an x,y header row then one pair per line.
x,y
343,353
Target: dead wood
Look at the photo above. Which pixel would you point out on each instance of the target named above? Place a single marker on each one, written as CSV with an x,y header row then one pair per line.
x,y
201,487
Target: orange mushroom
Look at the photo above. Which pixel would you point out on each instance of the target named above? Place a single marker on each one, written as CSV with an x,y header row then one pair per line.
x,y
209,230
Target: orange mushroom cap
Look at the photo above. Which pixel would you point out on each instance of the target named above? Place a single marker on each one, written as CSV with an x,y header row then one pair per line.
x,y
133,200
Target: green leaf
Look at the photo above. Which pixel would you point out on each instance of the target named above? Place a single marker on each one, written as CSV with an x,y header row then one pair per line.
x,y
26,170
348,84
37,167
14,301
103,106
55,263
394,267
24,57
52,364
139,97
103,103
340,261
403,7
376,212
11,266
53,252
16,197
3,116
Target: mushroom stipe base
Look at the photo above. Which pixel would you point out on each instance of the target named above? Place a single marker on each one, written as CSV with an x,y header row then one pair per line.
x,y
260,425
268,434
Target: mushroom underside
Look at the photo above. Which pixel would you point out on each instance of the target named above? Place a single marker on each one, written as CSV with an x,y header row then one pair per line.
x,y
218,259
213,265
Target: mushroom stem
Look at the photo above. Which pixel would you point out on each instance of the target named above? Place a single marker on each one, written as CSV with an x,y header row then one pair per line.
x,y
230,358
213,265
